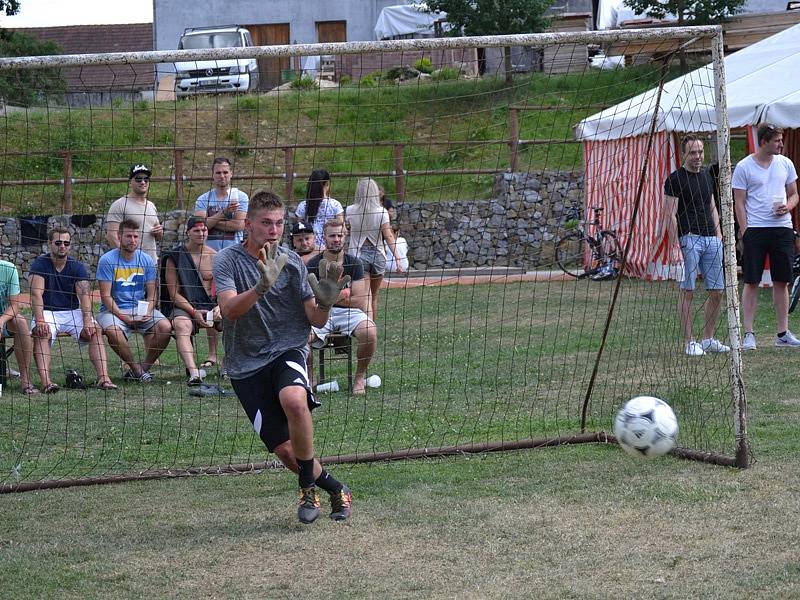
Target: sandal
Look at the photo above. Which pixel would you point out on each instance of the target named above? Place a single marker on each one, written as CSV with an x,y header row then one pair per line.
x,y
51,388
106,385
209,364
30,390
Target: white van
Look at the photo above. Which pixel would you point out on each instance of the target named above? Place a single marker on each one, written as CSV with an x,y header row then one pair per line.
x,y
213,76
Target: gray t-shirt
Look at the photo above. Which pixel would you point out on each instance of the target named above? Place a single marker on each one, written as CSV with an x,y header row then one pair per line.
x,y
276,323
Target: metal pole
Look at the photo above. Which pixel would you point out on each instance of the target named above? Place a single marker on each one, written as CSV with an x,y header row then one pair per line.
x,y
67,182
729,240
179,179
289,168
399,174
513,116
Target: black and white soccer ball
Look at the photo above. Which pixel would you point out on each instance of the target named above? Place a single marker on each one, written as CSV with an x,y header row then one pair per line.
x,y
646,426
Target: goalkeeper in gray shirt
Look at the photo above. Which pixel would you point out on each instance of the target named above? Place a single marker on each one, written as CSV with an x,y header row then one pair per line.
x,y
269,303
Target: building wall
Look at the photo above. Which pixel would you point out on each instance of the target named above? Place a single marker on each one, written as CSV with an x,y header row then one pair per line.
x,y
171,17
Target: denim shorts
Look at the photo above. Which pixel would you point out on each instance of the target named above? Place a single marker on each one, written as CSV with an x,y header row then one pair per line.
x,y
702,255
374,261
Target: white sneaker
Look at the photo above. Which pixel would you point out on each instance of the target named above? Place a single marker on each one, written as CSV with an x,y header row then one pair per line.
x,y
749,341
714,345
694,349
788,340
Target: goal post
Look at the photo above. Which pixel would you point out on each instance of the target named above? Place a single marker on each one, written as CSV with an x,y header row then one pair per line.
x,y
484,344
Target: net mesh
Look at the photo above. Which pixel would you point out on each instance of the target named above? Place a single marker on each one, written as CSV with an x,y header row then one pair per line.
x,y
485,341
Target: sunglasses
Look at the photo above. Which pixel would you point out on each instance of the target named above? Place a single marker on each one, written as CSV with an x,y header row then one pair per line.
x,y
62,243
141,179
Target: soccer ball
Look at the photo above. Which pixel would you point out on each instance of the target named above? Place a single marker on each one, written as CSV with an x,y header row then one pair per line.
x,y
646,426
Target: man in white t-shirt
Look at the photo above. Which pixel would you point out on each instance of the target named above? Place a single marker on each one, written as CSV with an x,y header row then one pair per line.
x,y
223,207
136,207
765,193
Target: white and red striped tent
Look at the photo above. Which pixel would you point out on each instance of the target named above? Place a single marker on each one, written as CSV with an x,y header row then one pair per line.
x,y
763,84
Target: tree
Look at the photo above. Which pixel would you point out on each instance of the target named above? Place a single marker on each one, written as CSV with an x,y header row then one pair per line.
x,y
10,6
27,86
688,12
494,17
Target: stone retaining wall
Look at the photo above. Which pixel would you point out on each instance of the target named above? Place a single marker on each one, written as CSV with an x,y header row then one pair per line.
x,y
517,228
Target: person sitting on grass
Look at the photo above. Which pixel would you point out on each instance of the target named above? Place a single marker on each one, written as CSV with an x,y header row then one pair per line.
x,y
13,323
186,292
348,314
127,279
62,303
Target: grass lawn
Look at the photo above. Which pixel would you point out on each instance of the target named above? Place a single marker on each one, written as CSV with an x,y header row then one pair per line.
x,y
466,115
574,521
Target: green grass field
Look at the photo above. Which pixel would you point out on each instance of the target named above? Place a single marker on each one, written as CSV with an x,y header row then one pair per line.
x,y
574,521
475,112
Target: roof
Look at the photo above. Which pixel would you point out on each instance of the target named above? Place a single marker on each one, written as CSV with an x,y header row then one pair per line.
x,y
761,85
96,39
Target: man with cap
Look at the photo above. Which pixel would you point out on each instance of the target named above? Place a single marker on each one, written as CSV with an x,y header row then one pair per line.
x,y
187,292
136,207
304,241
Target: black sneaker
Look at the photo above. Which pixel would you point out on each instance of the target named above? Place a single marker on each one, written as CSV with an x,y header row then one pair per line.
x,y
341,504
308,510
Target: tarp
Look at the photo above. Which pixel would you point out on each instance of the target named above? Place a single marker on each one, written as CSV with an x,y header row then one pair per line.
x,y
406,19
762,84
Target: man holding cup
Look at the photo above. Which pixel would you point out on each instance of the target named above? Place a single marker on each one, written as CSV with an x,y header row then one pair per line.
x,y
127,280
187,295
765,193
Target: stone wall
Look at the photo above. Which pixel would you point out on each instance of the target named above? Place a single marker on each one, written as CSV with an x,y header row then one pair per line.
x,y
518,228
88,242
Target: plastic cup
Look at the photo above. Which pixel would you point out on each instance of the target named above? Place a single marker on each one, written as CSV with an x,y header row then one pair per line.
x,y
373,381
141,308
777,202
331,386
210,318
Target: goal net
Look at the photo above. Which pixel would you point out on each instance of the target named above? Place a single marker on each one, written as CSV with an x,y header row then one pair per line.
x,y
495,336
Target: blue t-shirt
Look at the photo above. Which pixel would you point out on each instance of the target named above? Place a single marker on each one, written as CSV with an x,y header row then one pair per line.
x,y
59,287
128,277
211,205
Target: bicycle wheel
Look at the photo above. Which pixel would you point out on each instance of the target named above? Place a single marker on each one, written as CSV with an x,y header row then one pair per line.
x,y
794,295
570,252
612,253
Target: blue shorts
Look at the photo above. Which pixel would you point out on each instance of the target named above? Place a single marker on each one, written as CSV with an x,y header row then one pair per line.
x,y
374,262
702,255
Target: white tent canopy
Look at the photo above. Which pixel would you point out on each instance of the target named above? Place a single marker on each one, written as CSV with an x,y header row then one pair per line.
x,y
763,84
406,19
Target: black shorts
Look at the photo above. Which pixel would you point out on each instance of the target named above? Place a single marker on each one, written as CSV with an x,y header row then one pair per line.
x,y
259,396
775,242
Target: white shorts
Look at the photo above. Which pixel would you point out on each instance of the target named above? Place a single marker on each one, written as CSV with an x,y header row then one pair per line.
x,y
63,321
341,320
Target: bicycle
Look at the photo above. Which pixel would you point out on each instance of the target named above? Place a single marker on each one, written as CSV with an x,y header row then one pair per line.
x,y
604,252
794,294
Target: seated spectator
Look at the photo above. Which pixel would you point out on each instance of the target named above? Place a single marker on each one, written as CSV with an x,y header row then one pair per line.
x,y
318,208
127,279
304,242
348,314
401,252
187,292
62,303
13,323
387,203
